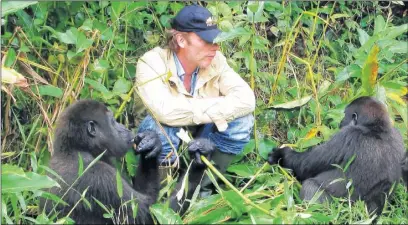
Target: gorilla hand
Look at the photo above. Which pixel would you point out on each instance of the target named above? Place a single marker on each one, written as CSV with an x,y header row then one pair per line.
x,y
148,144
200,146
277,155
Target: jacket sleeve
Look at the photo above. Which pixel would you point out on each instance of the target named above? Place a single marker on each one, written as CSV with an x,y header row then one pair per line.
x,y
238,100
167,108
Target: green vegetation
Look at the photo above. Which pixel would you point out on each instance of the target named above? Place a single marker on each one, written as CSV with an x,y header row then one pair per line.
x,y
310,58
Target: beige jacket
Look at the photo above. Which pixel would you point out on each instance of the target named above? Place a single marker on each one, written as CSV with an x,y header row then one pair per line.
x,y
220,94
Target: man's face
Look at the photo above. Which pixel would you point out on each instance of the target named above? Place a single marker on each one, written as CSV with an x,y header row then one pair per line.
x,y
199,52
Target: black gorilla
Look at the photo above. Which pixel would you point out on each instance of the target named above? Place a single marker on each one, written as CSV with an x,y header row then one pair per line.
x,y
366,133
87,128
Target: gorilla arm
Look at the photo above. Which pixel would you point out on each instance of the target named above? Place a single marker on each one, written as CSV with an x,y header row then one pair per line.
x,y
320,158
146,181
101,184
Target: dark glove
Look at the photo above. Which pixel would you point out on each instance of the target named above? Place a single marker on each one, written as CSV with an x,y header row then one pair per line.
x,y
200,146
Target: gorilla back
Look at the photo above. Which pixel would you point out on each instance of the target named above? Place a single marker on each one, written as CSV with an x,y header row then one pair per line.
x,y
85,130
367,134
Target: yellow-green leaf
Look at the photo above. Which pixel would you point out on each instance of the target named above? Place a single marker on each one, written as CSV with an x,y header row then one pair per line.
x,y
370,70
11,76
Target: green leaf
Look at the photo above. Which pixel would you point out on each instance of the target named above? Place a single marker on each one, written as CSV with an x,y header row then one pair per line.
x,y
12,170
339,15
266,146
165,215
50,90
117,9
87,25
224,9
97,86
21,200
161,7
362,36
131,162
255,11
69,37
214,216
122,86
244,170
8,7
82,42
119,185
370,71
352,70
80,165
4,211
321,218
235,202
11,57
379,24
393,32
398,47
165,20
233,33
292,104
12,183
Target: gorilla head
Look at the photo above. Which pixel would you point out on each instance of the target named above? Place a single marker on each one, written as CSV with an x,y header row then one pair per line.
x,y
89,124
368,112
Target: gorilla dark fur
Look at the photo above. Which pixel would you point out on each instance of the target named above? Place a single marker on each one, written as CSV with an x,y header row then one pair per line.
x,y
88,128
367,133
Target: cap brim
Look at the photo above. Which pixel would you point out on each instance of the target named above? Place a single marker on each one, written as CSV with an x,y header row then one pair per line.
x,y
208,35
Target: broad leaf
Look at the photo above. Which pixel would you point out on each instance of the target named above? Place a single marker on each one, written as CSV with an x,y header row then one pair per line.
x,y
12,183
233,33
50,90
165,215
370,70
292,104
122,86
8,7
362,36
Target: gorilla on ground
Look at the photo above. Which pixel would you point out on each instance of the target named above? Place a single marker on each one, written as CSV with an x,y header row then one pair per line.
x,y
84,131
367,134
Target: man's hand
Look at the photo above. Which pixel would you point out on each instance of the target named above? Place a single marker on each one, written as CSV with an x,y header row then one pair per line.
x,y
200,146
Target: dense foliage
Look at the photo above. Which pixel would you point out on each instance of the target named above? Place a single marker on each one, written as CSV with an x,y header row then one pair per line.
x,y
304,60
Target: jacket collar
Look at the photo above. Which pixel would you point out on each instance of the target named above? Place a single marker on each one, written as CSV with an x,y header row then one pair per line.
x,y
204,75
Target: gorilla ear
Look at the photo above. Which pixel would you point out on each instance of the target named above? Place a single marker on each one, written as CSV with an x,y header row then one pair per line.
x,y
91,128
355,117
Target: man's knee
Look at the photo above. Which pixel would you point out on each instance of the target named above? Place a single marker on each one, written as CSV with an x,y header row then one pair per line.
x,y
241,128
236,136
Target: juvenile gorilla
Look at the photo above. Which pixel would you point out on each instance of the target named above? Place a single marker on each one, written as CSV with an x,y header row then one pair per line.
x,y
367,133
86,129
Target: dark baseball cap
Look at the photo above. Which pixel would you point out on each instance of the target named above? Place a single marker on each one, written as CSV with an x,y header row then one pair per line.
x,y
197,19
